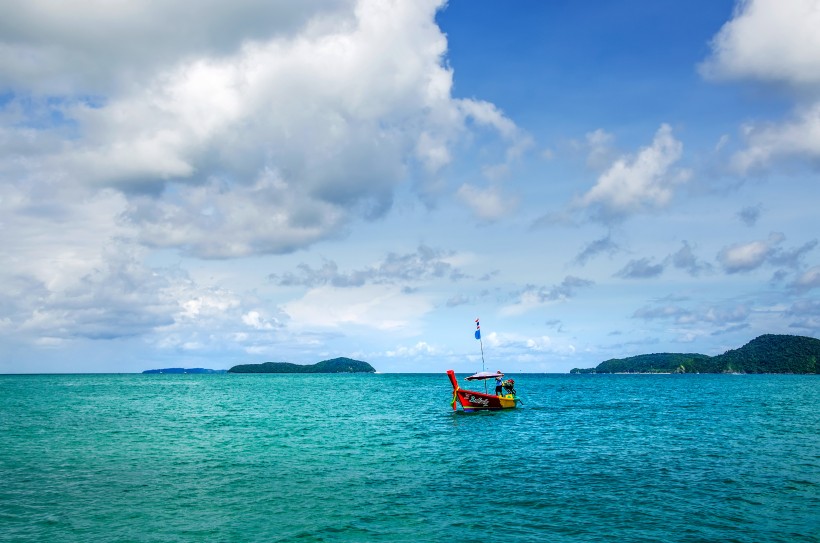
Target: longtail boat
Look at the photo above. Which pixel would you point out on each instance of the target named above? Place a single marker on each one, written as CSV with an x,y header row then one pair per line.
x,y
472,400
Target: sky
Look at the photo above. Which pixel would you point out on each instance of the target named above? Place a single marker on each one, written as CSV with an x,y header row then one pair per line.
x,y
210,183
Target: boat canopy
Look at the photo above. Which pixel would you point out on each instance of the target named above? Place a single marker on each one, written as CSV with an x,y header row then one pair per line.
x,y
480,376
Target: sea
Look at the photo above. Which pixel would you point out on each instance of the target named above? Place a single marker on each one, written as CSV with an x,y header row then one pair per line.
x,y
383,457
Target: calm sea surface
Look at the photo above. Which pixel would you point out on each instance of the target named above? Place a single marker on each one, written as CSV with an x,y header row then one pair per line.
x,y
306,458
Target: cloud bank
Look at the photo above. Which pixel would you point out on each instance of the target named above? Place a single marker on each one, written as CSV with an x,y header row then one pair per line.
x,y
259,130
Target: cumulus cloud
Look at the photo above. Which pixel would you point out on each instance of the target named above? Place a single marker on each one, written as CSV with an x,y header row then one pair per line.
x,y
256,320
635,184
69,271
111,295
85,46
122,299
773,42
259,129
770,40
765,143
744,257
216,220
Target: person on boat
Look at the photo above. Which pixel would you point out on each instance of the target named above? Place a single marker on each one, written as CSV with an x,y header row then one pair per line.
x,y
499,380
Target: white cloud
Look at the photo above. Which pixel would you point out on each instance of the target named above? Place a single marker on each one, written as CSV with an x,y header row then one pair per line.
x,y
114,297
72,272
799,137
240,135
773,41
808,280
488,204
87,46
254,319
485,114
419,349
519,347
640,183
540,344
742,257
217,220
770,40
256,128
381,307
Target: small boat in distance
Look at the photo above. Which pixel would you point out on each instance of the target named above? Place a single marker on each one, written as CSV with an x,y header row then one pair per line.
x,y
472,400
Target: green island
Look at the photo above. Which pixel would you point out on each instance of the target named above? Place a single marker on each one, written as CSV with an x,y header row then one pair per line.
x,y
335,365
184,370
769,353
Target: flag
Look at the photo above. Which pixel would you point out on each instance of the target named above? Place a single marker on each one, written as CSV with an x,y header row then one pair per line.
x,y
477,330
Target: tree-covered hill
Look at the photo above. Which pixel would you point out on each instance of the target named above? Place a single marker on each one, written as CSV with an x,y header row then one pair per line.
x,y
652,363
773,354
184,370
335,365
768,353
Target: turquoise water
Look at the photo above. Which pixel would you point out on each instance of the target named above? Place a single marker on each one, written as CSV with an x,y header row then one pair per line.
x,y
383,458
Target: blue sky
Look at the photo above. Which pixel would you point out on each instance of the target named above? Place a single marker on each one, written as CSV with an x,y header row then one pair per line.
x,y
300,181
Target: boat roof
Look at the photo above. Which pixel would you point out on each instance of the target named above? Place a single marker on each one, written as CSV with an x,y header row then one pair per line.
x,y
480,376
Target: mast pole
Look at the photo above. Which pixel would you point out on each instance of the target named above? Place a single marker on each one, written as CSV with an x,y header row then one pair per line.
x,y
481,342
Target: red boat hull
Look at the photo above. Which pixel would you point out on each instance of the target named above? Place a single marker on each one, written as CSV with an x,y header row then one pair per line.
x,y
471,400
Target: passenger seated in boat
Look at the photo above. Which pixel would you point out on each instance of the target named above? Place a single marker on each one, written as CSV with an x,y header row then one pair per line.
x,y
509,386
499,383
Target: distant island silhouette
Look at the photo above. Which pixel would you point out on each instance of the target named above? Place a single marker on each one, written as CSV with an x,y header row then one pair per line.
x,y
335,365
769,353
185,370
